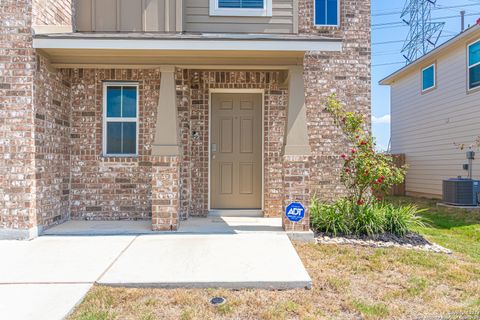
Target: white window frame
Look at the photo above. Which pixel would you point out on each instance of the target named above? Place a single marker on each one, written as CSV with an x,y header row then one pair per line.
x,y
471,66
326,25
434,77
119,119
266,11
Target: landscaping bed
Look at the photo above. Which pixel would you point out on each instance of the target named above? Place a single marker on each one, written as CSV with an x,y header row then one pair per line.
x,y
387,240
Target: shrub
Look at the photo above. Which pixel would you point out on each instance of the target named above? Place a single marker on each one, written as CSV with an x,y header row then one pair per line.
x,y
344,218
365,173
330,218
401,220
368,220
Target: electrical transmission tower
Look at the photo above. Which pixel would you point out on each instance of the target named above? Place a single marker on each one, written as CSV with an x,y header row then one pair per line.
x,y
423,34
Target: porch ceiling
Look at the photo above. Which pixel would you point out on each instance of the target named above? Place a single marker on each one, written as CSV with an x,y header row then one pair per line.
x,y
75,50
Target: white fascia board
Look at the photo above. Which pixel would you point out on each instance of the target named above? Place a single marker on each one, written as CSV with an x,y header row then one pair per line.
x,y
188,45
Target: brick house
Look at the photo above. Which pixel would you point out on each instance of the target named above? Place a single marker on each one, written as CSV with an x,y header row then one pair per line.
x,y
167,109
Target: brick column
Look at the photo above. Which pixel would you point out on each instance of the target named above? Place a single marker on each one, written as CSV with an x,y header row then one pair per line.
x,y
165,193
296,187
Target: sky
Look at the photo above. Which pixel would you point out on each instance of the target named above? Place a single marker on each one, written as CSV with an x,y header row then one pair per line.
x,y
388,35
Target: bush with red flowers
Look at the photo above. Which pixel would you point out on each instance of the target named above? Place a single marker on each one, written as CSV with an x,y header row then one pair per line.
x,y
367,174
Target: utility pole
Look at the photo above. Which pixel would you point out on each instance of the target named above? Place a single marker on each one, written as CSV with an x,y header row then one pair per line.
x,y
462,18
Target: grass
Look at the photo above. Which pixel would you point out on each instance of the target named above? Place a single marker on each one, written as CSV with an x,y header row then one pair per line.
x,y
456,229
349,283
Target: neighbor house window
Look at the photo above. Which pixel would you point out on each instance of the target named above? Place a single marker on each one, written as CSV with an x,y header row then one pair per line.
x,y
327,12
428,78
120,124
241,7
474,65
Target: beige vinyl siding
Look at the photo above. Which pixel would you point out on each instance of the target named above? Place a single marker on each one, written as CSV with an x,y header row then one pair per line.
x,y
426,126
128,15
177,16
197,19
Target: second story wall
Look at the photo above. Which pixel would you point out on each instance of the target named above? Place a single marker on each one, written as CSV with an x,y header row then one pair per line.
x,y
196,16
178,16
283,19
129,15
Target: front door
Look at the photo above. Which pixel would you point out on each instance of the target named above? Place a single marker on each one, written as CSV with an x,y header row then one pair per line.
x,y
236,151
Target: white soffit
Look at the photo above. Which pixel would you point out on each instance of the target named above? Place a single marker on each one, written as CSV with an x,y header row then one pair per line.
x,y
188,44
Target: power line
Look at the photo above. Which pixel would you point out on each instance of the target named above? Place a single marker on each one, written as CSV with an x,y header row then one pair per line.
x,y
435,19
437,8
388,64
399,41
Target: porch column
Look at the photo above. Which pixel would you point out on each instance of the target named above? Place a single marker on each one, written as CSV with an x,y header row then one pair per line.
x,y
297,157
297,134
165,156
166,129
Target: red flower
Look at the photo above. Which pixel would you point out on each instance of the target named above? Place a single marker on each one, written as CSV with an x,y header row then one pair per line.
x,y
360,202
347,170
363,143
343,155
353,150
379,199
382,177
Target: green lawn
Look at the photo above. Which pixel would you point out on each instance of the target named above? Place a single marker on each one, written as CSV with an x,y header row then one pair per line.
x,y
456,229
349,283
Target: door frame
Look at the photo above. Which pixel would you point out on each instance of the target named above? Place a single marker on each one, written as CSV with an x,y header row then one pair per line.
x,y
214,91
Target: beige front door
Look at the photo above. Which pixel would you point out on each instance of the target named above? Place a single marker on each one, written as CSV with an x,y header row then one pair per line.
x,y
236,151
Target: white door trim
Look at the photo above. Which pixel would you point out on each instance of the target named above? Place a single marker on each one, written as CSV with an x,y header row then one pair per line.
x,y
213,91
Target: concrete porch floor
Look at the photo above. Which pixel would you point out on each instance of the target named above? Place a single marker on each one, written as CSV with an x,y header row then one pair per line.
x,y
217,251
213,224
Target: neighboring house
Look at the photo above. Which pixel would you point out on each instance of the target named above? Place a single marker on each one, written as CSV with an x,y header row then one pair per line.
x,y
165,109
435,103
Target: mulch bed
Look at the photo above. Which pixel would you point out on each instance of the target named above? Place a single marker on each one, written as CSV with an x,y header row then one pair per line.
x,y
387,240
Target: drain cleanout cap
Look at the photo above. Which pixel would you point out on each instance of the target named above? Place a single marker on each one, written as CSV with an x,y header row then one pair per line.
x,y
217,301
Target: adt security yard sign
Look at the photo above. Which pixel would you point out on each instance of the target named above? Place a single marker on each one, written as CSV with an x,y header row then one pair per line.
x,y
295,212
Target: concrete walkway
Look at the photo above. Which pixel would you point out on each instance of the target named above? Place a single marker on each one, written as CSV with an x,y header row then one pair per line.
x,y
45,278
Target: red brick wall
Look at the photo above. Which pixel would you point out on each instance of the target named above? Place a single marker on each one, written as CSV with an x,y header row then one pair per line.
x,y
32,191
193,89
346,74
17,170
108,187
165,193
52,12
35,118
52,143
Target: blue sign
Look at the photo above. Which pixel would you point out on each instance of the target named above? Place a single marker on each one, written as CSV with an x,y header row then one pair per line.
x,y
295,212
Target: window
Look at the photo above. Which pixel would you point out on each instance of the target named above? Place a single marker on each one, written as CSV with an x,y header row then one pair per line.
x,y
474,65
428,78
120,124
241,8
327,12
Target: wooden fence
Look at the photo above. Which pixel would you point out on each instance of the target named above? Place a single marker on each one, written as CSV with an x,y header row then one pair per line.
x,y
398,190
